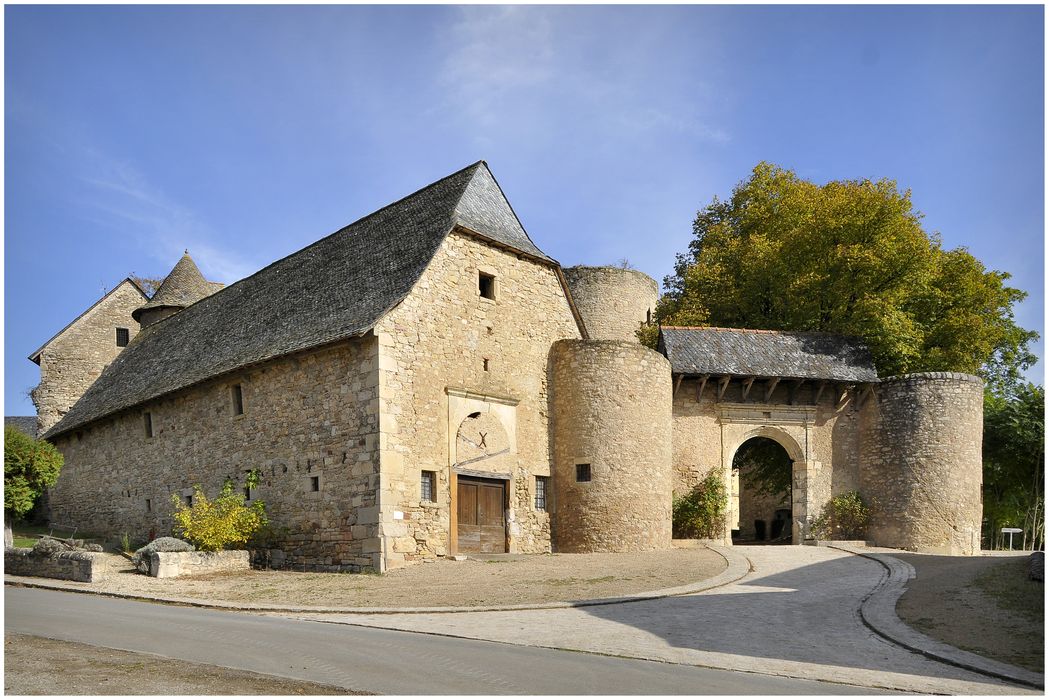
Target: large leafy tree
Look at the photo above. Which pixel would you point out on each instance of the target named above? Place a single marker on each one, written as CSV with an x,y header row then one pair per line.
x,y
1014,462
847,257
30,467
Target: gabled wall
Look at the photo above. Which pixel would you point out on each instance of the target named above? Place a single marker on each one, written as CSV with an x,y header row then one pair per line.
x,y
71,361
432,349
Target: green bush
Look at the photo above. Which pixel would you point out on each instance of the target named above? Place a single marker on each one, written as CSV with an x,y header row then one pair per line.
x,y
213,525
845,517
700,513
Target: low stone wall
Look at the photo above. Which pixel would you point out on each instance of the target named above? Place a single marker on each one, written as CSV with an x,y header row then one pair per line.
x,y
87,567
172,564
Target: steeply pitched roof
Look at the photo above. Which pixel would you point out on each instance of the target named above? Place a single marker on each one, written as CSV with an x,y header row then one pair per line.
x,y
27,424
35,356
183,286
338,287
752,353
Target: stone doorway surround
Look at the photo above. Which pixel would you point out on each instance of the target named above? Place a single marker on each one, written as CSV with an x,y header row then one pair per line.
x,y
790,426
462,404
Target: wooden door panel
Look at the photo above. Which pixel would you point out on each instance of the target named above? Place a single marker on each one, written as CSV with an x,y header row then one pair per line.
x,y
482,516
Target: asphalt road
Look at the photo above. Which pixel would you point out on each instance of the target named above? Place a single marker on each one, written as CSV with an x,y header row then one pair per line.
x,y
375,660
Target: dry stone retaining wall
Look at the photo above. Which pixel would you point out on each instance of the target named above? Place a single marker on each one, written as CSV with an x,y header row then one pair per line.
x,y
922,463
87,567
613,302
612,410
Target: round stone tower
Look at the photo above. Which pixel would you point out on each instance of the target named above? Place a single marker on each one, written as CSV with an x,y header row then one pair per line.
x,y
923,464
612,483
613,302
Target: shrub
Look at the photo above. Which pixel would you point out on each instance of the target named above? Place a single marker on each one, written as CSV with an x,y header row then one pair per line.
x,y
700,513
212,525
844,517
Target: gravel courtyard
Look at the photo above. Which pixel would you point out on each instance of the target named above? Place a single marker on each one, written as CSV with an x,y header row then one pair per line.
x,y
523,579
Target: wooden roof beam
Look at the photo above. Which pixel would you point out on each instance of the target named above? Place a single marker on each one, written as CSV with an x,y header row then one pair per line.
x,y
819,391
795,387
677,384
700,385
723,385
747,383
770,386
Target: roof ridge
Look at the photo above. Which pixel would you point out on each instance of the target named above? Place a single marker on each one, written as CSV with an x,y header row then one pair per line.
x,y
755,330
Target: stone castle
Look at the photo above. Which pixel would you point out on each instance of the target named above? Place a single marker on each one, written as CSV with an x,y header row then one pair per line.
x,y
426,381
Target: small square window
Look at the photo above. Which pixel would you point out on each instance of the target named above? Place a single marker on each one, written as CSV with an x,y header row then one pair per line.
x,y
582,472
123,337
237,397
541,483
315,483
427,486
486,285
147,422
189,500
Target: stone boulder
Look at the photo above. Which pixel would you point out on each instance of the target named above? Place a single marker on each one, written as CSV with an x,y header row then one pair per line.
x,y
47,546
161,544
1036,567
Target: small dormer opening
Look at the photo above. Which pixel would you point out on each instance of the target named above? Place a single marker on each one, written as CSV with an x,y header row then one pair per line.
x,y
123,337
486,285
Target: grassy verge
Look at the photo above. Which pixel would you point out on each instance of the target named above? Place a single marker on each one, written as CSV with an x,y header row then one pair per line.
x,y
26,535
1011,589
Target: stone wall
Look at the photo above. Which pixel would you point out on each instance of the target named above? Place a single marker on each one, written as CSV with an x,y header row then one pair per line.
x,y
819,430
72,361
612,301
310,427
922,463
175,564
445,353
612,411
87,567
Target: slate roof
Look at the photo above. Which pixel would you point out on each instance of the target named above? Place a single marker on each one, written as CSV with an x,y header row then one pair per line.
x,y
754,353
183,286
27,424
336,288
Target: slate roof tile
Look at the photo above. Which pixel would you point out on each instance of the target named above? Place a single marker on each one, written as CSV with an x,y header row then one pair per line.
x,y
749,353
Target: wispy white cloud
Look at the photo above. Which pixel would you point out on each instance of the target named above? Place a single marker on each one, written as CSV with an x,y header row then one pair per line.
x,y
125,199
511,67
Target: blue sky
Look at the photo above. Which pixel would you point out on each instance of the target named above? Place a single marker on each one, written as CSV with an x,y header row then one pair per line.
x,y
245,133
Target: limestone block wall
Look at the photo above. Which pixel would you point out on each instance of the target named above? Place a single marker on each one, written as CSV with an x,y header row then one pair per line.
x,y
175,564
611,406
922,463
445,353
73,360
310,427
612,301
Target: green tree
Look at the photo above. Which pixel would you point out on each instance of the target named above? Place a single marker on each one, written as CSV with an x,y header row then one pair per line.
x,y
1013,458
30,467
848,257
700,513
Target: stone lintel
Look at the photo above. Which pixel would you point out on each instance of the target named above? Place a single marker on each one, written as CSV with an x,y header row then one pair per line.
x,y
765,414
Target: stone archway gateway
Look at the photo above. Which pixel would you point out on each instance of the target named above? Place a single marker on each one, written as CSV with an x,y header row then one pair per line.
x,y
790,427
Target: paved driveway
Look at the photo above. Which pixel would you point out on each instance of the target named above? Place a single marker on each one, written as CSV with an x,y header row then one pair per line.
x,y
795,615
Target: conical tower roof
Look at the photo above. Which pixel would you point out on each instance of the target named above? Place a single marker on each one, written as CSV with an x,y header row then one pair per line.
x,y
183,286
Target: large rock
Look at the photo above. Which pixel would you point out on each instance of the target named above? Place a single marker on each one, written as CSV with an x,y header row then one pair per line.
x,y
47,546
161,544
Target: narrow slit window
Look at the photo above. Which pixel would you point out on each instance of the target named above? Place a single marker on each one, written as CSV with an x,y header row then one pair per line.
x,y
189,500
149,506
485,364
147,422
582,472
123,337
237,397
541,483
486,285
315,483
426,486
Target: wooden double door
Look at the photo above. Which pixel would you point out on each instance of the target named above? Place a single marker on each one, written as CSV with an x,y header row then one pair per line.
x,y
481,514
